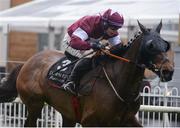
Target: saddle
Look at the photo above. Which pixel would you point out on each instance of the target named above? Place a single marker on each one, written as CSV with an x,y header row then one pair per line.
x,y
61,70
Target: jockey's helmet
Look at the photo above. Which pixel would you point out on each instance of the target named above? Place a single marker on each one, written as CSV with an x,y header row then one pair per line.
x,y
113,19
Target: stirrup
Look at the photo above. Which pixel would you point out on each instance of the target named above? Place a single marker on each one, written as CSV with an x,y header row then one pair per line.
x,y
70,87
69,84
3,80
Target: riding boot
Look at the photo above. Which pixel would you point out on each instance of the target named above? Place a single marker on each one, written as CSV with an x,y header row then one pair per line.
x,y
80,68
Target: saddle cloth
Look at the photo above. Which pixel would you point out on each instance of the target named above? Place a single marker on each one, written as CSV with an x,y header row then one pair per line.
x,y
59,77
59,72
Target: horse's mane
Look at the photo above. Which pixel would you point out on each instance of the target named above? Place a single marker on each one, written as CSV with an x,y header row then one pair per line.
x,y
136,35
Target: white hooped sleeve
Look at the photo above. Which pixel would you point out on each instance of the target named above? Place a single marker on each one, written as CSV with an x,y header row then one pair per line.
x,y
115,40
81,34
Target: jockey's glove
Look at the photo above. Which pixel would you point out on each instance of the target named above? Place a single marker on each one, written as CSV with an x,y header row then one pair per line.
x,y
97,45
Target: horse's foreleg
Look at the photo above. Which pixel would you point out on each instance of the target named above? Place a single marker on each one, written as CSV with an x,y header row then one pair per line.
x,y
67,122
135,122
132,122
34,111
91,120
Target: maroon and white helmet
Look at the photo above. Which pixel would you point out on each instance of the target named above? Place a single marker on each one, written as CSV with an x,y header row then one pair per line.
x,y
111,18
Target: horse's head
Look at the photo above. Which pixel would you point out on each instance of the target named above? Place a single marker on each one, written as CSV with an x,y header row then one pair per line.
x,y
154,53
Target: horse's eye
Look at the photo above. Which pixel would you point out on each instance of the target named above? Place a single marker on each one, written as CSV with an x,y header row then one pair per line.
x,y
167,46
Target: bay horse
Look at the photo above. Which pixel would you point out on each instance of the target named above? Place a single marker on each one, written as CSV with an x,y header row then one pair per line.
x,y
114,99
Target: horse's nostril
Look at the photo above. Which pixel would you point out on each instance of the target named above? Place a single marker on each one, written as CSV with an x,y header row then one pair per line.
x,y
167,75
168,72
165,72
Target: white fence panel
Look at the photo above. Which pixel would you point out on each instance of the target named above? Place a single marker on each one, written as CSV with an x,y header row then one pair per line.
x,y
160,107
14,115
152,114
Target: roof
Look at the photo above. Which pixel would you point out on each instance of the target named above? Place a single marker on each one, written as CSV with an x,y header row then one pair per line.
x,y
44,13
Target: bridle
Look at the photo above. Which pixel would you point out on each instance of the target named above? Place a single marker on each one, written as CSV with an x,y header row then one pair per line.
x,y
158,70
150,66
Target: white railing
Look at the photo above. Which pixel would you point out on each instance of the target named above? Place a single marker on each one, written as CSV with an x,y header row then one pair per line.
x,y
157,111
160,107
14,115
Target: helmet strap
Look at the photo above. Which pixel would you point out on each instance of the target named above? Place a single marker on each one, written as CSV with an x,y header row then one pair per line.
x,y
105,19
105,25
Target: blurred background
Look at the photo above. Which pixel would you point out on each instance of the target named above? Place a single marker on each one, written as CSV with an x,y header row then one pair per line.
x,y
30,26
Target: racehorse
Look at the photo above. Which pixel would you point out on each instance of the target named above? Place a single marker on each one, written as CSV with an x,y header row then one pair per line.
x,y
114,99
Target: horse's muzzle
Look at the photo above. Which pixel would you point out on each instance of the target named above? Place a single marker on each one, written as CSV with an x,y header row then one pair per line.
x,y
166,75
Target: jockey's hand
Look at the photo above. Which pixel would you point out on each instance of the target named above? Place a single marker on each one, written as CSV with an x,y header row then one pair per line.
x,y
97,46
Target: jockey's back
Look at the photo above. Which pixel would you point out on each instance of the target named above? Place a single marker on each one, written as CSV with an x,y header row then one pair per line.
x,y
92,25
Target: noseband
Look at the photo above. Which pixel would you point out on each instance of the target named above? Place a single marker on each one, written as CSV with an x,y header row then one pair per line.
x,y
156,69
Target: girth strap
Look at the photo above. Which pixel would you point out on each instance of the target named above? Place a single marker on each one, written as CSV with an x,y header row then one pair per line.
x,y
76,107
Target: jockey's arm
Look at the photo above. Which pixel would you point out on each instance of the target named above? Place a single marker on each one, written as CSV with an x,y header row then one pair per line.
x,y
78,41
79,44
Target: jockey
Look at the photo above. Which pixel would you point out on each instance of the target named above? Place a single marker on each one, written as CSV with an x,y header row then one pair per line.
x,y
84,35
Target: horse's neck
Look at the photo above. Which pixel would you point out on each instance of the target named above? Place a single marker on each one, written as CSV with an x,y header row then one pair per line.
x,y
126,75
133,52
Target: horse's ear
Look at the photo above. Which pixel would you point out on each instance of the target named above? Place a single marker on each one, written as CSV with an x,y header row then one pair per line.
x,y
158,28
143,29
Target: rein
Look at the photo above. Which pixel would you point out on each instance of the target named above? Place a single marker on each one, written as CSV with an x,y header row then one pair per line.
x,y
112,86
119,97
117,57
110,82
124,59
